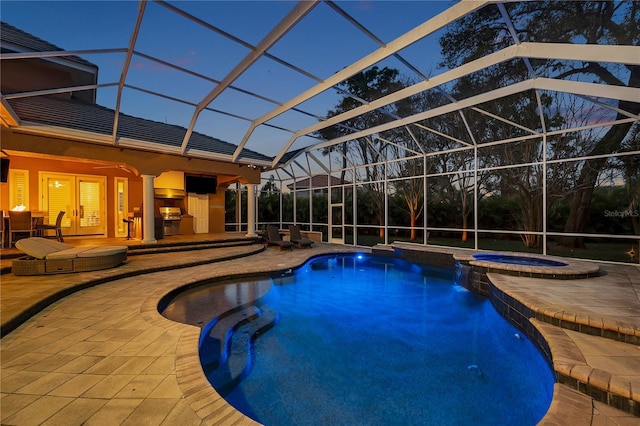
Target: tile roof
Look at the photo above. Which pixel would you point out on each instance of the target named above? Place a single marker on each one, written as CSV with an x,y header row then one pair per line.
x,y
290,155
29,42
98,119
317,181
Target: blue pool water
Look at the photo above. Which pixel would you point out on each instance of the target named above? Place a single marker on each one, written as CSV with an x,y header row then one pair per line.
x,y
375,341
517,260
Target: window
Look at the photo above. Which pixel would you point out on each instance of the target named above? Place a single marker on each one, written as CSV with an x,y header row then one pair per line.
x,y
121,205
18,188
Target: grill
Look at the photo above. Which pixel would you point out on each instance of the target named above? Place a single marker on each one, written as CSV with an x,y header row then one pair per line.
x,y
170,220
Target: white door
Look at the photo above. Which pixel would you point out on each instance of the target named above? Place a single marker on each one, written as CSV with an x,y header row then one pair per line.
x,y
336,229
81,197
199,209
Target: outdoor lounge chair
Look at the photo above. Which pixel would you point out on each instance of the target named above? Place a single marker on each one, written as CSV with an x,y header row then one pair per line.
x,y
296,238
46,256
274,239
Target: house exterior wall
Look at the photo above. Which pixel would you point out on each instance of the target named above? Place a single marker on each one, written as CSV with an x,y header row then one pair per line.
x,y
45,148
216,211
37,153
36,165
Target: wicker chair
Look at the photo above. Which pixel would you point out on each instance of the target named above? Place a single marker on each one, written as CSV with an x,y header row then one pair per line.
x,y
19,223
41,228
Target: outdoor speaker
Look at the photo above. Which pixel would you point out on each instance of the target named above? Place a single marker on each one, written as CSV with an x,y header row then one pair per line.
x,y
4,169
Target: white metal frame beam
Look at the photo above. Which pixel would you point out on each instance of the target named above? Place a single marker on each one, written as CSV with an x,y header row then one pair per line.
x,y
125,69
629,55
615,54
573,87
288,22
455,12
515,51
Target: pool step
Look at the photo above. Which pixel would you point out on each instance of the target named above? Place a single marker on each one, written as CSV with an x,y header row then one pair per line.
x,y
189,246
229,341
219,337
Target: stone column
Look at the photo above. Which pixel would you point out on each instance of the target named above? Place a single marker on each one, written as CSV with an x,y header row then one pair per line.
x,y
251,211
148,211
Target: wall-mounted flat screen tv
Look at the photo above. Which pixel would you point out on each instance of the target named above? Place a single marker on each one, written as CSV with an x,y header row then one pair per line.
x,y
200,184
4,169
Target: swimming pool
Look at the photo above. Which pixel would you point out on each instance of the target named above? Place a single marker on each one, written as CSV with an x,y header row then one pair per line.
x,y
372,341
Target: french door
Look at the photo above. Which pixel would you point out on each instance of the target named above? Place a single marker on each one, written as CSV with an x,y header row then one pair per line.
x,y
81,197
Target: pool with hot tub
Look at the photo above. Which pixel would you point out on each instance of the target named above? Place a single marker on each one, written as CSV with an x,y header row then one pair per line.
x,y
362,339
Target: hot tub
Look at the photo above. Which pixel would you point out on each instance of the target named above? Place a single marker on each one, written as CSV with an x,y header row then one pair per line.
x,y
529,265
472,270
517,260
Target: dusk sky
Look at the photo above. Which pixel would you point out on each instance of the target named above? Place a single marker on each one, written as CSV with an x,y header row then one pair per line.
x,y
323,43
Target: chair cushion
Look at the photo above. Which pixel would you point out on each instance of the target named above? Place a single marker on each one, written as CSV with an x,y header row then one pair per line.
x,y
40,247
43,248
95,251
71,253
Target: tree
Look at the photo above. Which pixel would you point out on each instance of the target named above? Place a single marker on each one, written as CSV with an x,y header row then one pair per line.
x,y
363,87
457,183
592,22
270,186
411,189
524,179
629,167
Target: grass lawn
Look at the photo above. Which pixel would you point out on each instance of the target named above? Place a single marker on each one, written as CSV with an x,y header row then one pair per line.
x,y
608,251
